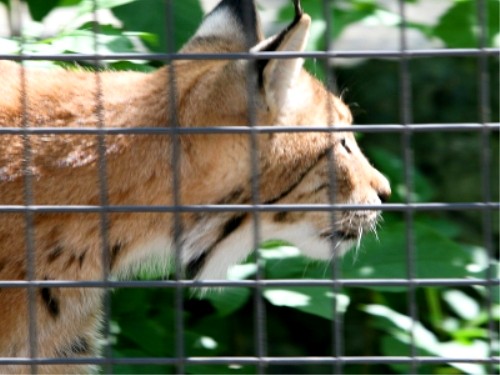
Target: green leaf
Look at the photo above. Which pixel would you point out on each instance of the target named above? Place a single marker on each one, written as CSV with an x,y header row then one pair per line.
x,y
435,256
138,369
88,6
464,306
394,168
402,328
153,338
69,3
39,9
187,16
9,46
135,301
317,301
458,27
454,28
109,40
227,300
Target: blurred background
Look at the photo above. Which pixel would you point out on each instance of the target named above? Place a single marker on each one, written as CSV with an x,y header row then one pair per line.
x,y
443,166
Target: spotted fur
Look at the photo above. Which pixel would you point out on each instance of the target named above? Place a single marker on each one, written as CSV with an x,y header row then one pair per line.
x,y
294,168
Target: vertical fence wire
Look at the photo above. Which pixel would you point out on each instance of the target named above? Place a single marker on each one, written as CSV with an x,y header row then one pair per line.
x,y
337,329
175,144
29,232
103,193
484,117
405,108
259,310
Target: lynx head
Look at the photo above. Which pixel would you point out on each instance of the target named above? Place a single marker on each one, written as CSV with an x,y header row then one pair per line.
x,y
293,167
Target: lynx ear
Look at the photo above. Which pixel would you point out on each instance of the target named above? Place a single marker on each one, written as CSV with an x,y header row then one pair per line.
x,y
233,24
278,76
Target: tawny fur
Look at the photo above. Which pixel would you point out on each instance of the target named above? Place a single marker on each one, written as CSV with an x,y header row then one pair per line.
x,y
214,169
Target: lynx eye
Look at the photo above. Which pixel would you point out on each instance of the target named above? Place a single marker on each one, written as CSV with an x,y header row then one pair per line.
x,y
344,144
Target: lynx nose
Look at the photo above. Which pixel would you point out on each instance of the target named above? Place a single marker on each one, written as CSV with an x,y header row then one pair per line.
x,y
381,185
384,195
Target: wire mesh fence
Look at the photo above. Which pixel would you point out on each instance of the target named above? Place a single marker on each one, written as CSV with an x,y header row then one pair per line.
x,y
260,358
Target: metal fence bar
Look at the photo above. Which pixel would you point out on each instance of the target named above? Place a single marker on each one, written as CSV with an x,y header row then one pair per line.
x,y
102,167
487,217
337,326
29,232
261,129
395,282
394,207
175,163
406,116
397,54
253,360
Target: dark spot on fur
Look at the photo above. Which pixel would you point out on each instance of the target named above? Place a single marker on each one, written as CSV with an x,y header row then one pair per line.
x,y
301,177
196,217
81,258
195,265
51,303
2,265
114,252
280,217
231,225
70,260
54,254
233,197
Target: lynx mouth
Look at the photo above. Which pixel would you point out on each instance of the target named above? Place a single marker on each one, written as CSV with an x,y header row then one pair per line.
x,y
340,235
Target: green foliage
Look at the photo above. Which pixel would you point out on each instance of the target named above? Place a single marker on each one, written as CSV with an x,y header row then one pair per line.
x,y
186,16
450,321
458,27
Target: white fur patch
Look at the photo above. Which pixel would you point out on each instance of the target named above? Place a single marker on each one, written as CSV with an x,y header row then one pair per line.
x,y
231,251
238,245
305,237
153,255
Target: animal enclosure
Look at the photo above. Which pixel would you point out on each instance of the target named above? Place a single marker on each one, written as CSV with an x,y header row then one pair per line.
x,y
420,295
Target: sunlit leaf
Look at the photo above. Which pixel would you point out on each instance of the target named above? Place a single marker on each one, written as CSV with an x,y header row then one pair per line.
x,y
318,301
463,305
402,328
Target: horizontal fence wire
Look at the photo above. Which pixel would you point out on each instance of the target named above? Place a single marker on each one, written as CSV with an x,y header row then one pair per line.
x,y
250,360
397,54
249,283
401,207
259,129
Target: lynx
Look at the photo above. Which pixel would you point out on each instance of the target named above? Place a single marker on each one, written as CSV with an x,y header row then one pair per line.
x,y
213,169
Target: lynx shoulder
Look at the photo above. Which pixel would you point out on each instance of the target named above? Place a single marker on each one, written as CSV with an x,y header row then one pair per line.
x,y
65,168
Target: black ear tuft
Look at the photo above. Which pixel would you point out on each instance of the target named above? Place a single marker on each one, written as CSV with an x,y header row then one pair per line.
x,y
275,42
298,9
